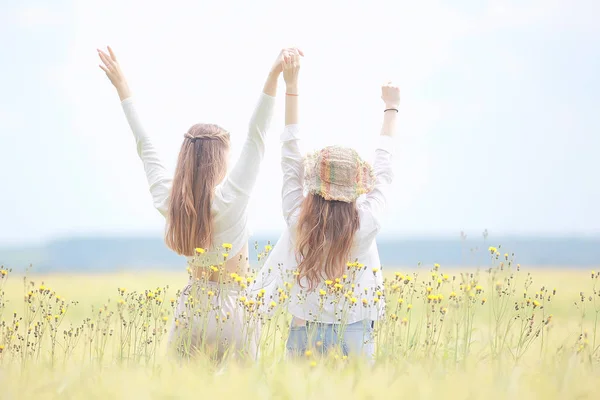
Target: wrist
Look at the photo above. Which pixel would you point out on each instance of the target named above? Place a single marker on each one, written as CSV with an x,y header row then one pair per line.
x,y
291,88
123,92
392,106
274,74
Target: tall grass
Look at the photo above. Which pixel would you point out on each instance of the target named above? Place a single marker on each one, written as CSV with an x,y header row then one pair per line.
x,y
493,332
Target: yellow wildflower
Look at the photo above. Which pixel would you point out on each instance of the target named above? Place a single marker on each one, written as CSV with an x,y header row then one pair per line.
x,y
200,250
493,250
272,304
322,292
227,246
328,282
353,300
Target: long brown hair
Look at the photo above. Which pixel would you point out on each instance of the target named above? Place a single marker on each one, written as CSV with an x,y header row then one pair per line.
x,y
201,165
325,232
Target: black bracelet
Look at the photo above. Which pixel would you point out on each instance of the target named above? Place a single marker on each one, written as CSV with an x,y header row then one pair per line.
x,y
391,109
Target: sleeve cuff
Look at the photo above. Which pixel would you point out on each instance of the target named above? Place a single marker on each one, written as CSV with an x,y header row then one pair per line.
x,y
127,101
290,132
266,100
386,143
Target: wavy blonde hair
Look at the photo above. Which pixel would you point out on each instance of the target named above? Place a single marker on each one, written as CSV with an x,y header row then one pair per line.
x,y
201,166
325,232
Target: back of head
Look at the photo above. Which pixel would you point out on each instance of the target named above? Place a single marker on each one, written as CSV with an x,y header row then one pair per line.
x,y
334,178
201,166
325,237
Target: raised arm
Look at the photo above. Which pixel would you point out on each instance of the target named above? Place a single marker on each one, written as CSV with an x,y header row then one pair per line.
x,y
291,159
158,178
242,177
382,167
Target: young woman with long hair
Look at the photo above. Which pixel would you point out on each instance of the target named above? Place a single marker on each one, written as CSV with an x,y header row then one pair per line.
x,y
332,203
206,211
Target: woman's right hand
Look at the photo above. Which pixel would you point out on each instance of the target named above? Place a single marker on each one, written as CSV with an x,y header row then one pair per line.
x,y
390,94
291,70
111,67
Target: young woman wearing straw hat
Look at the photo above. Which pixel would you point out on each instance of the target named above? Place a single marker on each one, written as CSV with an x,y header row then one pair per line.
x,y
332,203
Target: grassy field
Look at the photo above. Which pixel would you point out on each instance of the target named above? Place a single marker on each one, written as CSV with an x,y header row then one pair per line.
x,y
502,332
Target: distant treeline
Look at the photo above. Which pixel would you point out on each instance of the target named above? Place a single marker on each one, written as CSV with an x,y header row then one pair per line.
x,y
131,253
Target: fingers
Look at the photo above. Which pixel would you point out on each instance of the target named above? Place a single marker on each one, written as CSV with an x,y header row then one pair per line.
x,y
103,68
297,51
295,60
112,53
291,61
106,60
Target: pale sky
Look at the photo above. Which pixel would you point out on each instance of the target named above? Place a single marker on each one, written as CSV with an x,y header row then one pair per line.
x,y
498,129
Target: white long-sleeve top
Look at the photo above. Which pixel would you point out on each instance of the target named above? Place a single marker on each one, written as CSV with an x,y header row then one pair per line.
x,y
230,202
359,294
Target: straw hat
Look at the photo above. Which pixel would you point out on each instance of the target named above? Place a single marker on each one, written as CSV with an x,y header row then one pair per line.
x,y
337,173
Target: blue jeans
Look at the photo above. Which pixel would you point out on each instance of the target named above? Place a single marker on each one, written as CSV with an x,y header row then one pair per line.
x,y
351,339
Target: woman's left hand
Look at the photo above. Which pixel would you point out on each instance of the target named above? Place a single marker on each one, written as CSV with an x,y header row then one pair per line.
x,y
113,71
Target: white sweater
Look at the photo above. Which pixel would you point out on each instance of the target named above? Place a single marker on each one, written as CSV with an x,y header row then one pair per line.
x,y
230,204
360,295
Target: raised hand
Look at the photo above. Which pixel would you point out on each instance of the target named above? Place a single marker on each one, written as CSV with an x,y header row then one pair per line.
x,y
291,70
113,71
278,64
390,94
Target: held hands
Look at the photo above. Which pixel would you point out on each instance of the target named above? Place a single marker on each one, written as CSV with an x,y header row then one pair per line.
x,y
111,67
278,65
390,94
291,70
